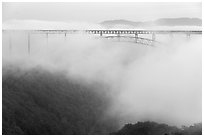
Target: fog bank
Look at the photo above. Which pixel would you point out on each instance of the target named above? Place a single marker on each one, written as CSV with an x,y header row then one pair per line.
x,y
160,83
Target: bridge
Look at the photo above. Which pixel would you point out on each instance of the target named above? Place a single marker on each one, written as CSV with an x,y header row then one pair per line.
x,y
133,34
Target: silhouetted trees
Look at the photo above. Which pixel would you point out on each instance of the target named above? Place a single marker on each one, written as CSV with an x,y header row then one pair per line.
x,y
153,128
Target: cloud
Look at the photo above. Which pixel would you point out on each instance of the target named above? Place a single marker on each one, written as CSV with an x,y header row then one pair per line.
x,y
52,25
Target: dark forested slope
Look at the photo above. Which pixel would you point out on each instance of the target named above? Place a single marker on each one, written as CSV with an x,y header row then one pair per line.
x,y
36,101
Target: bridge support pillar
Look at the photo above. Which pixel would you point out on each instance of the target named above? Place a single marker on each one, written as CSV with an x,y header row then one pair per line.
x,y
118,35
101,33
153,36
171,35
10,43
188,36
65,36
136,37
47,39
29,43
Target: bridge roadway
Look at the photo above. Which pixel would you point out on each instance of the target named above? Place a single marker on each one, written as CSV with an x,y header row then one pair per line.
x,y
113,31
143,31
118,33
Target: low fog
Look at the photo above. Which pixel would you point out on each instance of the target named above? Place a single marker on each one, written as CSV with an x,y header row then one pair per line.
x,y
160,83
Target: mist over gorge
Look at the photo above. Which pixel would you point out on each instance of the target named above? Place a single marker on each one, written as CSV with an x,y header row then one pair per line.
x,y
68,77
170,71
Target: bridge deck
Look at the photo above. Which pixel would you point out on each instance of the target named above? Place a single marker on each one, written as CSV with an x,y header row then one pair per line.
x,y
111,31
118,33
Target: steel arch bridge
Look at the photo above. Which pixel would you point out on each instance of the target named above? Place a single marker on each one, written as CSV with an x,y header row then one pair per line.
x,y
132,34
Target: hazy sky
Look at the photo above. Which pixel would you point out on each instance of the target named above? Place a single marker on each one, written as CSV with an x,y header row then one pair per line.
x,y
97,12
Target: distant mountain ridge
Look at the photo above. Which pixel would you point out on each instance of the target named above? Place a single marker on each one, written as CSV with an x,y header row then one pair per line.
x,y
159,22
